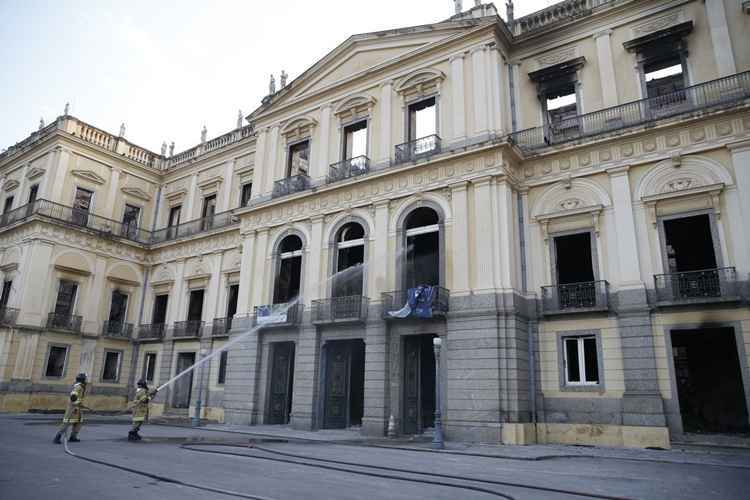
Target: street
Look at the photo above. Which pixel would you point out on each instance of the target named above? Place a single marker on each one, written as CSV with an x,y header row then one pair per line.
x,y
246,466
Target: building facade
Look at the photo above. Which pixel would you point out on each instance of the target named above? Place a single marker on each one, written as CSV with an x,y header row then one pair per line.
x,y
560,198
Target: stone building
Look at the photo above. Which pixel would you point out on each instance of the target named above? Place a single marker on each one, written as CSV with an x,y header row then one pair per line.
x,y
558,197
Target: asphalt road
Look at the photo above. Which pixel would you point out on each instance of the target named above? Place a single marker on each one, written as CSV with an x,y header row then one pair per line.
x,y
31,467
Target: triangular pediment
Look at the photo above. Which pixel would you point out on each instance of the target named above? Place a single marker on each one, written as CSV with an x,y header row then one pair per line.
x,y
89,176
136,192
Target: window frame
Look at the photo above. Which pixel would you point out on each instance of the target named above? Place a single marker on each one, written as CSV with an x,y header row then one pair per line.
x,y
147,365
362,123
6,208
295,144
593,238
221,376
33,190
76,296
245,202
562,355
713,226
279,257
408,116
104,365
403,235
111,303
7,287
50,345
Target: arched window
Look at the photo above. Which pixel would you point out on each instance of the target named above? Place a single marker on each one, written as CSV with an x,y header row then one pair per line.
x,y
289,269
422,254
350,256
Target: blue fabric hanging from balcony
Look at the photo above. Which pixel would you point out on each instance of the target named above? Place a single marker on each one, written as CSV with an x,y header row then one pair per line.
x,y
418,303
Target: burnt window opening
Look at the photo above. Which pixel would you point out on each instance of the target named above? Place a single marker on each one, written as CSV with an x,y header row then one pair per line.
x,y
245,194
422,119
557,91
232,294
350,257
8,204
298,162
82,205
581,360
130,219
574,270
355,140
689,244
422,228
111,368
222,378
664,76
66,297
560,104
33,192
174,216
149,367
159,315
118,307
195,305
5,297
56,358
289,272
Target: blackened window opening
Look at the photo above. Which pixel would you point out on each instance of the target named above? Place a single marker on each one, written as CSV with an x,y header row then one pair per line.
x,y
246,193
66,296
234,291
118,307
5,297
355,140
209,209
149,366
574,259
110,372
174,216
159,316
8,204
56,361
664,75
299,159
422,248
33,191
290,270
422,119
350,257
689,244
561,106
222,368
195,307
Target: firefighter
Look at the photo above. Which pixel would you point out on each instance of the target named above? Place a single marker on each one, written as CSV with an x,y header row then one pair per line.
x,y
73,413
143,397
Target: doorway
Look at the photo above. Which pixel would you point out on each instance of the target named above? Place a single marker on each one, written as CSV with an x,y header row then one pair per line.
x,y
184,385
281,374
419,384
709,381
344,384
574,267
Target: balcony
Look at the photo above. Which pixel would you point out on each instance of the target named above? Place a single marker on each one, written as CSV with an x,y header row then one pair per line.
x,y
117,330
694,287
277,315
221,327
64,322
290,185
424,147
347,169
591,296
723,92
8,316
187,329
340,309
216,221
151,332
420,302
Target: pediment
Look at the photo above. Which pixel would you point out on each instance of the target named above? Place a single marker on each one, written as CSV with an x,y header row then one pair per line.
x,y
34,172
11,185
136,193
89,176
210,183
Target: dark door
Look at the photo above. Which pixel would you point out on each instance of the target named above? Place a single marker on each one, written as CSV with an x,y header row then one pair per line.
x,y
33,191
130,220
195,307
575,271
81,206
344,384
282,379
234,291
66,296
159,315
209,209
184,385
419,384
173,222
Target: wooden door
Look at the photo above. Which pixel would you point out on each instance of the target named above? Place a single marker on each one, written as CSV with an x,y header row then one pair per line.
x,y
338,362
183,386
412,384
282,376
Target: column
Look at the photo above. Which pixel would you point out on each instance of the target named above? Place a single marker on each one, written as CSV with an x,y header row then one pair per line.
x,y
386,110
627,245
313,280
483,246
246,275
49,174
176,297
260,293
96,297
480,89
324,139
191,198
214,289
741,162
377,273
457,97
109,206
20,197
61,171
506,251
497,84
459,254
722,43
223,203
607,76
271,155
260,171
36,283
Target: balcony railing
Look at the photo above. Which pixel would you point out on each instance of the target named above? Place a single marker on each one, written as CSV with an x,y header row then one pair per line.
x,y
187,329
420,148
117,329
64,322
708,285
221,327
340,309
352,167
277,315
151,332
8,316
289,185
419,302
216,221
575,297
724,91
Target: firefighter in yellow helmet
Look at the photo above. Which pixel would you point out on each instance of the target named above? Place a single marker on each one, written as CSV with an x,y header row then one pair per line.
x,y
143,397
73,413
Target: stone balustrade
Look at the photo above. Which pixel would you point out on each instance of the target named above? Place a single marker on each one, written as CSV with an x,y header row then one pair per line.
x,y
561,11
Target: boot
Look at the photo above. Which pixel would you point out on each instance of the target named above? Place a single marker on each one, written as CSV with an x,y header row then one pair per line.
x,y
74,439
132,436
58,438
137,436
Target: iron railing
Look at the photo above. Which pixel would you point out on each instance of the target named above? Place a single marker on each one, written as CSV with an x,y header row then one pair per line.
x,y
277,315
182,329
221,327
153,331
340,309
65,322
396,303
352,167
576,297
8,316
290,185
423,147
117,329
723,91
696,286
216,221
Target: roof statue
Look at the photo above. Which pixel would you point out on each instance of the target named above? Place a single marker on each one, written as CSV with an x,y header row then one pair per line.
x,y
459,6
164,148
41,123
171,149
283,78
272,86
239,118
122,130
509,10
67,109
204,133
477,3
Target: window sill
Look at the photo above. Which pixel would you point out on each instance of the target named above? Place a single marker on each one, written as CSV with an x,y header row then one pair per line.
x,y
599,388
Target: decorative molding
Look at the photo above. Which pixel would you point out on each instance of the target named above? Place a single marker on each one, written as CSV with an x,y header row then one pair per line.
x,y
694,172
578,208
136,192
72,270
35,172
420,83
711,192
10,185
124,282
89,175
211,183
355,107
658,23
176,195
556,57
299,128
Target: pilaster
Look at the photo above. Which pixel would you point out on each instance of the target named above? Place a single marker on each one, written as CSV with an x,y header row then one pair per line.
x,y
324,138
378,271
627,245
720,39
484,248
314,281
114,181
607,76
95,298
246,275
260,294
385,110
479,70
739,224
458,120
460,251
55,187
190,201
224,201
177,297
261,168
35,270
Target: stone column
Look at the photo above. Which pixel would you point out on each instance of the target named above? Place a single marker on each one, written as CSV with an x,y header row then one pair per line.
x,y
324,140
627,245
720,39
314,281
385,108
96,298
458,118
497,84
260,292
741,163
114,182
377,402
377,273
484,272
36,283
214,289
260,171
459,254
246,275
225,198
55,188
479,70
506,227
176,298
607,76
190,200
272,154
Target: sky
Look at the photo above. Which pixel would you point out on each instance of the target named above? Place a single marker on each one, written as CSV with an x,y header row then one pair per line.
x,y
166,68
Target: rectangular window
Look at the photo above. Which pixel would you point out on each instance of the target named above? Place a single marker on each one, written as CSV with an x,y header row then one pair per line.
x,y
111,369
561,107
82,206
689,244
159,316
422,119
355,140
195,306
664,76
209,206
174,216
7,287
245,194
118,308
149,367
234,291
8,204
222,368
581,361
130,219
56,358
299,159
33,190
66,296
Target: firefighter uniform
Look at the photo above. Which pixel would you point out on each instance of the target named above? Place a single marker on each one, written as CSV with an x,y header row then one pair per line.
x,y
73,413
143,397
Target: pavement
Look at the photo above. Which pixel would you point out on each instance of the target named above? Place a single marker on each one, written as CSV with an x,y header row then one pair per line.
x,y
276,462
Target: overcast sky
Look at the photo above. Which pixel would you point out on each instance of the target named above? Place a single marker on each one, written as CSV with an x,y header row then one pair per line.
x,y
166,68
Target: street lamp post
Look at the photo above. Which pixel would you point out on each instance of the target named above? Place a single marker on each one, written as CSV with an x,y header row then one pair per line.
x,y
437,436
197,417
